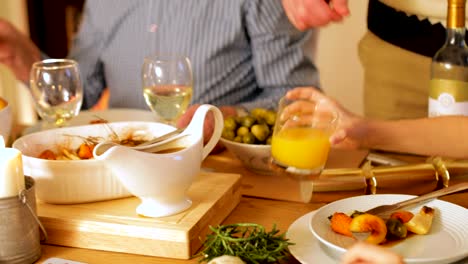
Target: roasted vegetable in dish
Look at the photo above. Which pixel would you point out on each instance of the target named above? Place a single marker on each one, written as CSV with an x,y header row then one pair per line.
x,y
421,223
370,223
85,149
340,222
398,226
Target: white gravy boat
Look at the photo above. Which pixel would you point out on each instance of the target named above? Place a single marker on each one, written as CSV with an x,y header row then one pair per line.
x,y
161,180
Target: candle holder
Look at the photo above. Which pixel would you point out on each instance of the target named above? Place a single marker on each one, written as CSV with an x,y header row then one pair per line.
x,y
19,229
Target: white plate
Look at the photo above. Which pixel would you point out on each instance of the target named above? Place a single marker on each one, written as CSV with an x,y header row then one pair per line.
x,y
445,243
306,248
112,115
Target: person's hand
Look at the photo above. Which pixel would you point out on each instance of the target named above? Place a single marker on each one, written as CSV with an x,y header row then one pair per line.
x,y
17,51
365,253
351,129
208,125
305,14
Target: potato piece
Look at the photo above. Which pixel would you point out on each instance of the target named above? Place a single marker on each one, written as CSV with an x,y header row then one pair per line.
x,y
70,155
48,155
403,216
421,223
370,223
339,223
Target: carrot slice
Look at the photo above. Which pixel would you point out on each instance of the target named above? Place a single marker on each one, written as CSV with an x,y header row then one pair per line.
x,y
85,151
48,155
403,216
340,223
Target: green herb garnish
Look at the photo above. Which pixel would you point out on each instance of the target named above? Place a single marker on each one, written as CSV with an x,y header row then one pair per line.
x,y
247,241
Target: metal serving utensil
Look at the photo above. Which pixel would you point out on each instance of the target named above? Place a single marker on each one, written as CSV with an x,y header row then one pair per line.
x,y
161,138
148,146
382,209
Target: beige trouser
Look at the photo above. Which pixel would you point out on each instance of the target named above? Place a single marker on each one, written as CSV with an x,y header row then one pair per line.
x,y
396,81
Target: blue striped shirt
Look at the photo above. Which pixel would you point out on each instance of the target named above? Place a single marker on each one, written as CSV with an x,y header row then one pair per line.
x,y
243,52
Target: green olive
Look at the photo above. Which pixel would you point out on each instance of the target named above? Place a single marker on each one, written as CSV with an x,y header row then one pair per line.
x,y
248,138
395,229
230,123
242,131
247,121
238,139
270,117
258,113
228,134
268,140
260,131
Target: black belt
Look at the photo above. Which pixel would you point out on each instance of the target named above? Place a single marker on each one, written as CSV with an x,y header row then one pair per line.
x,y
407,32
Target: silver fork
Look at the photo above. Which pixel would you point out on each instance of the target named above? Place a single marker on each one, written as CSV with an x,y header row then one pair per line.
x,y
379,210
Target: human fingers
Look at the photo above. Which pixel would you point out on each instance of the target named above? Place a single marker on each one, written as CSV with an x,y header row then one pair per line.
x,y
305,14
309,93
185,119
366,253
340,7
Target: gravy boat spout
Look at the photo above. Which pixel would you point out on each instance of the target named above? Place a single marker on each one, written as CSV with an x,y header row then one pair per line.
x,y
161,173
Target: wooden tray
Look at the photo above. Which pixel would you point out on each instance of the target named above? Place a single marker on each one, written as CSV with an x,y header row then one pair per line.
x,y
114,225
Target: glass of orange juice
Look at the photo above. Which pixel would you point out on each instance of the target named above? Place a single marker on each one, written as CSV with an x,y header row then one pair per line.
x,y
300,142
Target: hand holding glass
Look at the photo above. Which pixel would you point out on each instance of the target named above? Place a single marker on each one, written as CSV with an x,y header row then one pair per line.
x,y
57,90
167,85
301,137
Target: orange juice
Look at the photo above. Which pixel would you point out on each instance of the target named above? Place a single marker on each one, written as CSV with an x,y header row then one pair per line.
x,y
301,147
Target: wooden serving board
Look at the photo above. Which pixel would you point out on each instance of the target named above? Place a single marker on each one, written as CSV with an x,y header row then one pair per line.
x,y
114,225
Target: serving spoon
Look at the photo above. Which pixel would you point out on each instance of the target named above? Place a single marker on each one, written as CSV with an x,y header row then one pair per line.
x,y
152,145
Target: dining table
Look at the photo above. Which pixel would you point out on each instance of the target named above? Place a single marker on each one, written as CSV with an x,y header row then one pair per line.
x,y
274,200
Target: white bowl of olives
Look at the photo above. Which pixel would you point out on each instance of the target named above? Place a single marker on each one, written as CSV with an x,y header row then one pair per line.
x,y
248,138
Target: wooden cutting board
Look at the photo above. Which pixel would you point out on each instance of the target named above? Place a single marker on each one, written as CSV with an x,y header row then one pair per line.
x,y
114,225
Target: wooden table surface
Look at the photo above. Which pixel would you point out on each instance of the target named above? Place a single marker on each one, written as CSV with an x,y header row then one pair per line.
x,y
261,210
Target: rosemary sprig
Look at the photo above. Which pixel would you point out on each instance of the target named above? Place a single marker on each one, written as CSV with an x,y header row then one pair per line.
x,y
248,241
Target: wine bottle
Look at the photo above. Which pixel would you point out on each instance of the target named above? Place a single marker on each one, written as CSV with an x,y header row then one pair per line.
x,y
448,90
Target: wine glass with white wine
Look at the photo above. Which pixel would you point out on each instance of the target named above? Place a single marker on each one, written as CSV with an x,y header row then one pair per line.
x,y
167,85
57,90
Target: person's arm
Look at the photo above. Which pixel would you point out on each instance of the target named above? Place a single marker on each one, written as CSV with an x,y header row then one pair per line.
x,y
17,51
86,50
443,136
281,55
305,14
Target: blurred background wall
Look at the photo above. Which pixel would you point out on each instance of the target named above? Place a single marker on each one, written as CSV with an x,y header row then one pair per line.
x,y
337,57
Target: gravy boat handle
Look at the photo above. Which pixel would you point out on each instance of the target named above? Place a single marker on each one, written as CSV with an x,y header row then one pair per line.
x,y
198,120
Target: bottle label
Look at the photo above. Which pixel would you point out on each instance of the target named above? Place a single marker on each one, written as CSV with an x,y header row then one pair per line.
x,y
448,97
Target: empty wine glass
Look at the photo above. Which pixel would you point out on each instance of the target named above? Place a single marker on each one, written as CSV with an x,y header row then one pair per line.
x,y
57,90
167,85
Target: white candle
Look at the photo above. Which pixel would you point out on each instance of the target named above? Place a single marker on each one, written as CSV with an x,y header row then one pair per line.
x,y
11,172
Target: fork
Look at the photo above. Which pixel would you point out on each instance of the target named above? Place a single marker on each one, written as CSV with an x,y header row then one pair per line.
x,y
379,210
